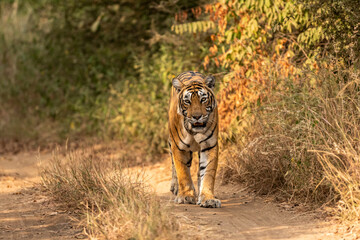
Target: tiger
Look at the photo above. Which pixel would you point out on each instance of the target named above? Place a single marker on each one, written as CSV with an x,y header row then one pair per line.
x,y
193,127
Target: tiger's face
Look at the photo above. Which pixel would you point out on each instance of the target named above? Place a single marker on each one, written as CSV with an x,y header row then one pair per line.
x,y
196,105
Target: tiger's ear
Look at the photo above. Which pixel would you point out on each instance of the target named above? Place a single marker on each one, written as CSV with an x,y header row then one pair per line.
x,y
177,84
210,81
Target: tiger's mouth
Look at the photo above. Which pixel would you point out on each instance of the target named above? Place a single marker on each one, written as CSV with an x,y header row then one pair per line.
x,y
198,125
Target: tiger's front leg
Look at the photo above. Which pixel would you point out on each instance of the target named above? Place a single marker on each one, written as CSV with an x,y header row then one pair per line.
x,y
208,163
174,186
182,162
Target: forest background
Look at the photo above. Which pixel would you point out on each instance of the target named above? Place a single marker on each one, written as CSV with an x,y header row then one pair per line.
x,y
287,83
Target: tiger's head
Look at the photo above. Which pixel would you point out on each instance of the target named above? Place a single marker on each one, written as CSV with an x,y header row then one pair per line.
x,y
196,103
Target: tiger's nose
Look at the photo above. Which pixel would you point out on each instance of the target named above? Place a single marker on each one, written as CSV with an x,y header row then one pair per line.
x,y
196,117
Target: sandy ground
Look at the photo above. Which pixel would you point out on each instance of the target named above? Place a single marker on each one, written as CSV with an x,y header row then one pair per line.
x,y
26,213
242,215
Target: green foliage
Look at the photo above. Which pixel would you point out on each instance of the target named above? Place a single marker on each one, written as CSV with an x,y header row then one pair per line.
x,y
75,65
339,23
193,27
20,81
310,28
255,29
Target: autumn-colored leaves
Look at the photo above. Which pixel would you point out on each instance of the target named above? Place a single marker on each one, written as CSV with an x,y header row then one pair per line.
x,y
255,41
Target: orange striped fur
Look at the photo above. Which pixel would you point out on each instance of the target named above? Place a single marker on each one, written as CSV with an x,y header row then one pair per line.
x,y
193,127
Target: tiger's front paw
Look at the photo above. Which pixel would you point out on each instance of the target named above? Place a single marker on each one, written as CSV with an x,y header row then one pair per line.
x,y
209,202
187,199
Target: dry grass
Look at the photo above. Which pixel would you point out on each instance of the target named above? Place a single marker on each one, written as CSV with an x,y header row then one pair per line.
x,y
115,204
338,150
304,143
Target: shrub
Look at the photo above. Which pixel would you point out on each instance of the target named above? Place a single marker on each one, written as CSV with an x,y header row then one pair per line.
x,y
304,142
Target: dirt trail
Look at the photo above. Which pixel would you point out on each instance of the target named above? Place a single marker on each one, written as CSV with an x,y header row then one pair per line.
x,y
242,216
25,213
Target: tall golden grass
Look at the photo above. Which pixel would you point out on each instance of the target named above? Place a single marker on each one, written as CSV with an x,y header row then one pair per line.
x,y
338,150
115,204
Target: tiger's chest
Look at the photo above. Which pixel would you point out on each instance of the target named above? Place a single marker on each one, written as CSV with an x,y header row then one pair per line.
x,y
195,143
188,143
205,140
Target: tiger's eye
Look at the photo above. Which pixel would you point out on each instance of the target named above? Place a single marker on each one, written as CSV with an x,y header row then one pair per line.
x,y
187,102
203,100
